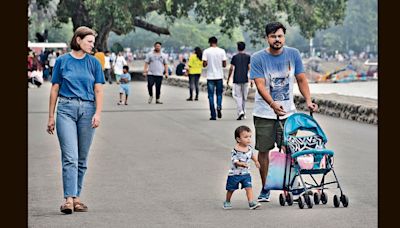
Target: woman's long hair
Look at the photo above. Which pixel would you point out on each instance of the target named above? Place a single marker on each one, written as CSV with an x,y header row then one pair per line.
x,y
198,52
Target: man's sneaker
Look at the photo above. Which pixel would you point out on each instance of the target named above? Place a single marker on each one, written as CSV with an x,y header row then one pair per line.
x,y
227,205
219,114
241,115
213,118
264,196
150,99
253,205
158,101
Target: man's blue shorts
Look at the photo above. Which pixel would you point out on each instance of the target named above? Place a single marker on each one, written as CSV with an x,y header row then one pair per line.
x,y
232,183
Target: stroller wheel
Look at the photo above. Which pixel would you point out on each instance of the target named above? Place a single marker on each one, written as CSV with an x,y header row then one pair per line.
x,y
324,197
281,200
289,198
317,198
308,200
301,203
336,202
345,200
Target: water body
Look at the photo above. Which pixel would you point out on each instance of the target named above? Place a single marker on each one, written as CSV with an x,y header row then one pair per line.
x,y
367,89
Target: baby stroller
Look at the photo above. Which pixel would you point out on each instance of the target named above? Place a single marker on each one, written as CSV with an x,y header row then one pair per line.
x,y
307,156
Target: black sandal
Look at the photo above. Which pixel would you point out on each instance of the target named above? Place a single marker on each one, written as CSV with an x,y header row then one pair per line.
x,y
67,208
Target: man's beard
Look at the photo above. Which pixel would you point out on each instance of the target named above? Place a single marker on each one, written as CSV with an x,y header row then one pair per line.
x,y
276,48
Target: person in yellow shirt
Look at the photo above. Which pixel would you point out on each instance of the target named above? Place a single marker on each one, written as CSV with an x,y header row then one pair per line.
x,y
195,68
101,57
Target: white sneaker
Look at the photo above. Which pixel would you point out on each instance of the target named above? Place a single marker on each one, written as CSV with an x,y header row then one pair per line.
x,y
253,205
150,99
240,116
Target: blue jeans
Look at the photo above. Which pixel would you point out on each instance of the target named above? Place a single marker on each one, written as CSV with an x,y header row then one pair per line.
x,y
213,85
194,84
75,135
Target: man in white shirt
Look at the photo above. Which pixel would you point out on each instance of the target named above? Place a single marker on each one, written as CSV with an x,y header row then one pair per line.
x,y
214,58
118,64
107,67
52,60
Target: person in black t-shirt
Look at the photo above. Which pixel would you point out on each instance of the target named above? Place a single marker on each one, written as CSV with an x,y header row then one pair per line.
x,y
181,68
240,66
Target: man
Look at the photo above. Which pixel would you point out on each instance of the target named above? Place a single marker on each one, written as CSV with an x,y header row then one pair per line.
x,y
181,68
240,66
118,65
107,67
214,58
155,67
52,60
274,70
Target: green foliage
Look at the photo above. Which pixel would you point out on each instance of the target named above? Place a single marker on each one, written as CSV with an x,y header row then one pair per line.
x,y
117,47
359,29
121,16
41,18
314,15
185,32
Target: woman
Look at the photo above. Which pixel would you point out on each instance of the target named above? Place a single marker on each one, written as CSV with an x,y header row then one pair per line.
x,y
77,83
195,68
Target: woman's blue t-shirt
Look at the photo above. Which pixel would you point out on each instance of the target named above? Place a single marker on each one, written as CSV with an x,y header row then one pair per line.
x,y
77,77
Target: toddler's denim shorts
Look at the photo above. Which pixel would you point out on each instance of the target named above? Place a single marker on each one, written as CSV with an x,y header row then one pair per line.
x,y
232,183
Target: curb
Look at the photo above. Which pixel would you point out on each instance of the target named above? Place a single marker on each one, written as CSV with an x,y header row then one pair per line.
x,y
362,110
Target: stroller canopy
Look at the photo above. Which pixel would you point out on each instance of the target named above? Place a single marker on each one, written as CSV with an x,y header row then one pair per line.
x,y
301,121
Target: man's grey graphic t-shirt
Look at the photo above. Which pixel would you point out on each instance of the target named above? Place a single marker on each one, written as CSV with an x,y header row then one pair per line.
x,y
156,63
279,72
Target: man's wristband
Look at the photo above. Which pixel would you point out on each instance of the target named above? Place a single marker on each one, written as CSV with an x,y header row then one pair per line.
x,y
270,105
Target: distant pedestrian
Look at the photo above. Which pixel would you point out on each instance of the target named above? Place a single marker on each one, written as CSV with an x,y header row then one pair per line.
x,y
52,61
107,67
239,173
35,78
118,65
100,56
181,68
155,66
214,58
195,67
124,85
77,84
240,66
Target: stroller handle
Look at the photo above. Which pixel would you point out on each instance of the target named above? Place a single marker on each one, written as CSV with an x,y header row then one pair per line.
x,y
311,114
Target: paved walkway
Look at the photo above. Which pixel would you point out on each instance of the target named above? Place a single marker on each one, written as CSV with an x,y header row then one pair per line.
x,y
165,166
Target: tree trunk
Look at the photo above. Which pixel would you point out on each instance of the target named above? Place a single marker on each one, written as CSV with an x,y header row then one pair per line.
x,y
80,15
102,36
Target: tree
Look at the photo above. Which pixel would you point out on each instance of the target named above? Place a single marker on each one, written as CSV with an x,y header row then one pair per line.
x,y
122,16
358,31
184,33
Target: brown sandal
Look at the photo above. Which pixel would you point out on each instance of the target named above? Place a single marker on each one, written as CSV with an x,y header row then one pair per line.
x,y
67,208
80,207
